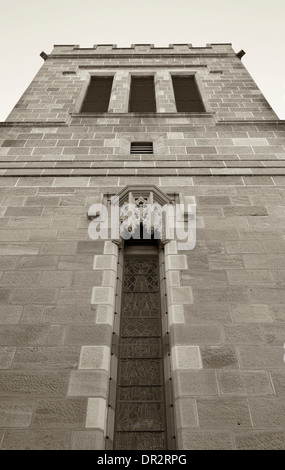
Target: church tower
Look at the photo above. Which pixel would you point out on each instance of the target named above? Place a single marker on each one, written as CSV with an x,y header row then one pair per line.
x,y
115,331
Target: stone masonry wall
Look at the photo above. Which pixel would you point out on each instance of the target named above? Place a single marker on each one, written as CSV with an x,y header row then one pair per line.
x,y
57,292
230,90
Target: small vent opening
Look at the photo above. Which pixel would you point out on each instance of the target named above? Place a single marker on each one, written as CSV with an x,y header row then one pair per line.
x,y
141,147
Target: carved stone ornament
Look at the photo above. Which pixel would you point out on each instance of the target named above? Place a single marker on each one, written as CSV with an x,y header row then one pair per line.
x,y
134,208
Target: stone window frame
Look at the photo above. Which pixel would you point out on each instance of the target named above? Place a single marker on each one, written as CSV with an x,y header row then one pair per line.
x,y
88,77
173,296
142,73
167,363
109,428
200,86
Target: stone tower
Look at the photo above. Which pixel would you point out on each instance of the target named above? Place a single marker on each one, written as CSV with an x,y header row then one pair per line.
x,y
114,343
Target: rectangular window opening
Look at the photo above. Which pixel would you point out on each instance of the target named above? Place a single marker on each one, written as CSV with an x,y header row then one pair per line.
x,y
98,95
141,147
142,96
187,95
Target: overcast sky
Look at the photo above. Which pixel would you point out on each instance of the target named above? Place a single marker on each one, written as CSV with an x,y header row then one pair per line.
x,y
29,26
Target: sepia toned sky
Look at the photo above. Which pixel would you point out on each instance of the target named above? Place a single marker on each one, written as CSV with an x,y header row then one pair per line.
x,y
30,26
